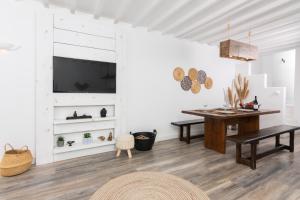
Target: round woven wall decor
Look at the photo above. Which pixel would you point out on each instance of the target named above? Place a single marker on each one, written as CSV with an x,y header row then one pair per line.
x,y
193,74
202,76
149,186
178,74
186,83
208,83
196,87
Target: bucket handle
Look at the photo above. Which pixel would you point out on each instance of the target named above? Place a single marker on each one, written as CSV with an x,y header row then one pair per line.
x,y
8,145
24,148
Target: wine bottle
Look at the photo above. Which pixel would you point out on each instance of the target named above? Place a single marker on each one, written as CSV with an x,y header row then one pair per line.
x,y
255,104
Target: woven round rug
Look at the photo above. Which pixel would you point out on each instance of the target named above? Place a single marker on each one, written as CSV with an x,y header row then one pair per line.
x,y
149,186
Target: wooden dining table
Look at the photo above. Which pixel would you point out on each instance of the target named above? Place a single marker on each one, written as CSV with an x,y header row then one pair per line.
x,y
217,120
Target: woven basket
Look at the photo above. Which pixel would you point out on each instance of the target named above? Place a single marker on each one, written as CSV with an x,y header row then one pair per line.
x,y
15,161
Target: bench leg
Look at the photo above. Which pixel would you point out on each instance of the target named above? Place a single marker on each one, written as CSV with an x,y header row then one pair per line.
x,y
292,134
277,142
238,155
188,134
253,155
181,133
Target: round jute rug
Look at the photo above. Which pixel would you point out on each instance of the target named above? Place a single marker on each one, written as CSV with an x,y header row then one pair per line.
x,y
149,186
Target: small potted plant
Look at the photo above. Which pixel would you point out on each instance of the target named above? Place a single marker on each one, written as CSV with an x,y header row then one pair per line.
x,y
60,141
87,138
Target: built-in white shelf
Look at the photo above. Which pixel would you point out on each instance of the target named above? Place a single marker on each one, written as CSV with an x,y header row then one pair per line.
x,y
79,146
81,131
84,105
74,121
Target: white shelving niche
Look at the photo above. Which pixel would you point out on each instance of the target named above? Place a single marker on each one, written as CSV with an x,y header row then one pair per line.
x,y
73,130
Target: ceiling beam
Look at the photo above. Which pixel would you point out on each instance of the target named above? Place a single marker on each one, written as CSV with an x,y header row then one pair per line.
x,y
273,35
247,19
98,9
216,12
279,24
188,12
237,13
122,9
150,6
73,6
283,11
279,48
166,15
270,29
45,3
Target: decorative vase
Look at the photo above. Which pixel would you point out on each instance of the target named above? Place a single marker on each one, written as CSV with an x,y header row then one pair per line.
x,y
110,137
103,112
60,143
87,140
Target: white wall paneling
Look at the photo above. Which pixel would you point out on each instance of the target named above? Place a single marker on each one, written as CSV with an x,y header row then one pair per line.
x,y
84,24
44,81
86,53
85,40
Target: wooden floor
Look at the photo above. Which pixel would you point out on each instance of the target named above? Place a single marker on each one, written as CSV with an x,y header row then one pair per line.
x,y
277,176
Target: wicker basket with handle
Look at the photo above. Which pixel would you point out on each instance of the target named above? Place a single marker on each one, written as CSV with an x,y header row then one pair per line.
x,y
15,161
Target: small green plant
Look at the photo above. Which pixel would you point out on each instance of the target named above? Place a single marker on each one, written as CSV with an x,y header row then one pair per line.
x,y
60,138
87,135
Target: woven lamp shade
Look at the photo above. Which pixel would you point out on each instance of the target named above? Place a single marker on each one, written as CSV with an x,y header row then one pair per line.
x,y
149,186
178,74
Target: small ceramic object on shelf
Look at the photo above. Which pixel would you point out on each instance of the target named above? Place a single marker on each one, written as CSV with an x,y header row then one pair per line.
x,y
87,138
110,137
103,112
101,138
60,141
70,143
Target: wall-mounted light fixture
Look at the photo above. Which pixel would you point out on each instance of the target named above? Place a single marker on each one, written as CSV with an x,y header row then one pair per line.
x,y
4,47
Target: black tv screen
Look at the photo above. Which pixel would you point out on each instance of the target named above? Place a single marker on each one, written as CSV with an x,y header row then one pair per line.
x,y
83,76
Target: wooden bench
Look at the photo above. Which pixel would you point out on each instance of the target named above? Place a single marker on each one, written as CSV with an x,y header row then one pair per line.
x,y
253,139
188,124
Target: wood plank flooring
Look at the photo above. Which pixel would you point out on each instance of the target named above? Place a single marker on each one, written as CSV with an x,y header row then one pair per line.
x,y
277,177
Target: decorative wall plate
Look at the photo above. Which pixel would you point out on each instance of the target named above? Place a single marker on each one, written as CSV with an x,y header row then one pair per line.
x,y
186,83
208,83
178,74
193,74
202,77
196,87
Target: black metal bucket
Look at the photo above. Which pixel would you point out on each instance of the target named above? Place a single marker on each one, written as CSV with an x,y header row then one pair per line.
x,y
146,143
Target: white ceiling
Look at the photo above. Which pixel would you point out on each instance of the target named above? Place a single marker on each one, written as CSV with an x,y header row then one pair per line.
x,y
274,24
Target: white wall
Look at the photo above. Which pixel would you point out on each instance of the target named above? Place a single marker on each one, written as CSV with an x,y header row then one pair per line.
x,y
150,98
154,98
297,85
279,74
17,76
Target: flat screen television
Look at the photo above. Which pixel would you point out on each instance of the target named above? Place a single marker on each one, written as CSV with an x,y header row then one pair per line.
x,y
83,76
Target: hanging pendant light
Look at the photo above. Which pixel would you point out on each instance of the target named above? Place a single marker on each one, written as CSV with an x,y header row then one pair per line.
x,y
238,50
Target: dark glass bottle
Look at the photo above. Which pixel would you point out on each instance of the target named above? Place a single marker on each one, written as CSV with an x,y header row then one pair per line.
x,y
255,104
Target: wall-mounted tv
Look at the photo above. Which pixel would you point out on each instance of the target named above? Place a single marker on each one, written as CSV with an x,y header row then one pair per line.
x,y
83,76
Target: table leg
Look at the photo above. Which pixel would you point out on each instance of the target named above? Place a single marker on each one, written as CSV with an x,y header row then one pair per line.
x,y
248,124
215,135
